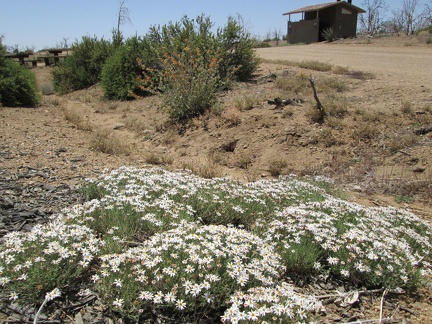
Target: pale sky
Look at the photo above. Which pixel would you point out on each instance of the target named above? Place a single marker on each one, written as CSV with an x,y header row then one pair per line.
x,y
45,23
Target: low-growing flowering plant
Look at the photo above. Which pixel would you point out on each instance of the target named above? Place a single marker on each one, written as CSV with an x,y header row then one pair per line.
x,y
158,242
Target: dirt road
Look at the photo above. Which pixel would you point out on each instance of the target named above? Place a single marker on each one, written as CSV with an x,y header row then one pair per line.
x,y
409,64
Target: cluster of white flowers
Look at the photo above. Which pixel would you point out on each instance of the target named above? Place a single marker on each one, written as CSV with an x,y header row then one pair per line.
x,y
181,263
270,303
355,239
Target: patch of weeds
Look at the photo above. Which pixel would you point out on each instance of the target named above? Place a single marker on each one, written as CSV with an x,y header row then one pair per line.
x,y
407,108
246,102
334,123
333,83
364,132
316,66
314,115
328,137
399,141
232,117
76,119
106,141
401,199
276,167
335,106
204,168
340,70
158,158
244,161
293,83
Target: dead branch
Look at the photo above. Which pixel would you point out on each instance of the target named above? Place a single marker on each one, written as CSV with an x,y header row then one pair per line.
x,y
280,103
318,102
423,131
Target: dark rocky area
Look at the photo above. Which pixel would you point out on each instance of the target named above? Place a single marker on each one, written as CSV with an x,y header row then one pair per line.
x,y
29,196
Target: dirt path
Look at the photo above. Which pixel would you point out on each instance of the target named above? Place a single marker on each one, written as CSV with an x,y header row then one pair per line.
x,y
408,65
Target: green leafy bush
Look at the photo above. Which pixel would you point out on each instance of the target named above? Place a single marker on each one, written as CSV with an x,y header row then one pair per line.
x,y
17,85
83,68
195,64
329,34
236,46
119,74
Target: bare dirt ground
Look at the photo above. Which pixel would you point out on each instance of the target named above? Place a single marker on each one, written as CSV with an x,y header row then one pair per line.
x,y
371,151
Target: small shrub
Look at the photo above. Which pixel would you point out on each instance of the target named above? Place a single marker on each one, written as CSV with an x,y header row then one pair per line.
x,y
232,117
276,167
17,85
246,102
364,132
406,108
329,34
244,161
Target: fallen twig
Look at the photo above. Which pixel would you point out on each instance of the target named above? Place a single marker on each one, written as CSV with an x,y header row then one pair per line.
x,y
382,305
363,292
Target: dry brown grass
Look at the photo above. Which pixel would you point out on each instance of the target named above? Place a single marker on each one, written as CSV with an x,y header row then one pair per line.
x,y
202,167
106,141
277,166
158,158
76,118
232,117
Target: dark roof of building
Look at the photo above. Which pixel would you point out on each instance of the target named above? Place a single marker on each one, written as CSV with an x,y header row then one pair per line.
x,y
319,7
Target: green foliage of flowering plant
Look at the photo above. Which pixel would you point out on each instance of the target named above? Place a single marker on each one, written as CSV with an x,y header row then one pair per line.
x,y
189,81
187,248
191,270
48,257
373,247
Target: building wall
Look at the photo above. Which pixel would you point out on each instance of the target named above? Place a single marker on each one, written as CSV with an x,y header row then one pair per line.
x,y
304,31
341,18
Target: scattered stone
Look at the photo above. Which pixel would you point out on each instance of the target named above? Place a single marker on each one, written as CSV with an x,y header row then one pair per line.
x,y
22,205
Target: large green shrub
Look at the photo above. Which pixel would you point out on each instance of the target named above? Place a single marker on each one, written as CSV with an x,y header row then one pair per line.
x,y
236,46
83,68
119,74
17,85
196,63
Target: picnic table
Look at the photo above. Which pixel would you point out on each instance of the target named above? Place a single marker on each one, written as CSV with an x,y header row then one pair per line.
x,y
54,55
20,56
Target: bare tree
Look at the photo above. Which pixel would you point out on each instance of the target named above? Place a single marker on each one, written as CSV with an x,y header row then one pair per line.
x,y
373,19
123,18
409,18
277,33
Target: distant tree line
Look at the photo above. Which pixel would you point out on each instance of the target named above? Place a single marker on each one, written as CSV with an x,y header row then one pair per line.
x,y
411,18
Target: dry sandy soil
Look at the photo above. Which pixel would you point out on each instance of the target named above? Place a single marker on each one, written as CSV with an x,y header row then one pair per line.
x,y
370,148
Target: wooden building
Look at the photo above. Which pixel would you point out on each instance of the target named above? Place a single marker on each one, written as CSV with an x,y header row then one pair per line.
x,y
339,15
